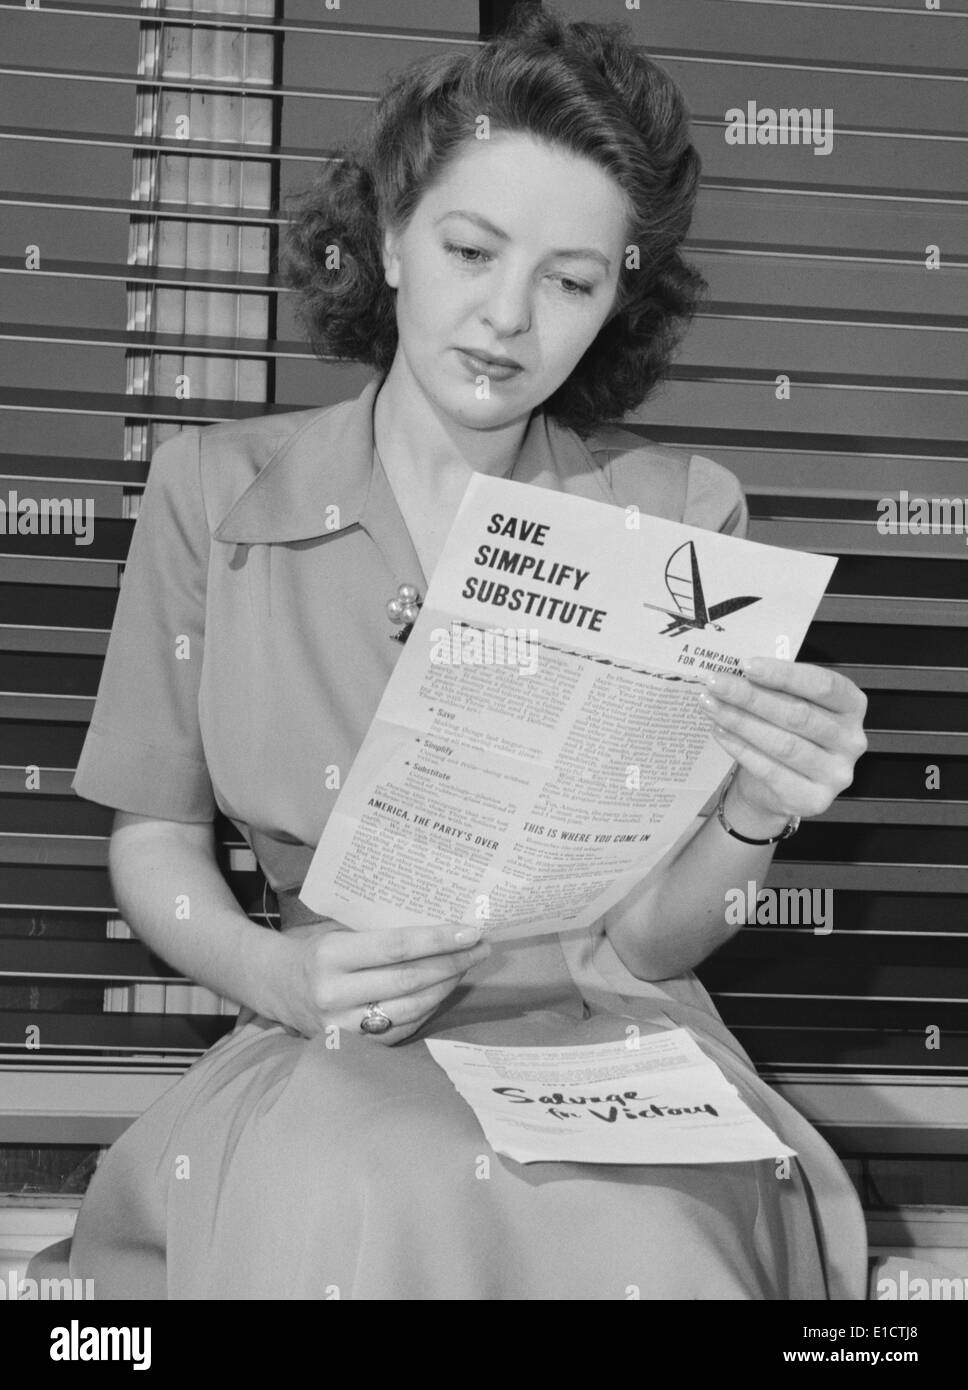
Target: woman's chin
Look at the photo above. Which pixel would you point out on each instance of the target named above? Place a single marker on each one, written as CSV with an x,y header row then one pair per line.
x,y
499,408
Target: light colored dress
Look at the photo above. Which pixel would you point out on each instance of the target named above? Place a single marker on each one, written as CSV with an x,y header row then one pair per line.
x,y
358,1172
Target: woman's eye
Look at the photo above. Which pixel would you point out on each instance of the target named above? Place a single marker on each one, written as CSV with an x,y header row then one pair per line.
x,y
453,249
576,286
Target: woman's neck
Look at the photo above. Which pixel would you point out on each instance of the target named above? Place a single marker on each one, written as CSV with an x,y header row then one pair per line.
x,y
429,451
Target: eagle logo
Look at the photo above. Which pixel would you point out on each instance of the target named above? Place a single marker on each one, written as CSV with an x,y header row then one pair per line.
x,y
684,583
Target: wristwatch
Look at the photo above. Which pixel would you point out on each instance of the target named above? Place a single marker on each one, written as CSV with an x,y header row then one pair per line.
x,y
791,827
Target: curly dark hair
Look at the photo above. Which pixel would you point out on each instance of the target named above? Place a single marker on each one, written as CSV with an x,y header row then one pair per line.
x,y
581,86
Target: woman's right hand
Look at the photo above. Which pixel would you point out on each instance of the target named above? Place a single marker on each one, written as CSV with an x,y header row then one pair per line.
x,y
334,972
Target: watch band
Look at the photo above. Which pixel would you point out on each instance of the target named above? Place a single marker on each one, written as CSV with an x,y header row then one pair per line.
x,y
791,827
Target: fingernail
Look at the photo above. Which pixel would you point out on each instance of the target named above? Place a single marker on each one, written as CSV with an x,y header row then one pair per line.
x,y
467,934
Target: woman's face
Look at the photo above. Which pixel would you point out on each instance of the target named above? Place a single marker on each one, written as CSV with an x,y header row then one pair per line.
x,y
514,253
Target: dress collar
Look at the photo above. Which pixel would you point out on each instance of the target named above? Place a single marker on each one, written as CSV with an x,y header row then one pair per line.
x,y
324,476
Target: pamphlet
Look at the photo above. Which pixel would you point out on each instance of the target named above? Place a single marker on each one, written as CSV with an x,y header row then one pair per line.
x,y
539,747
661,1101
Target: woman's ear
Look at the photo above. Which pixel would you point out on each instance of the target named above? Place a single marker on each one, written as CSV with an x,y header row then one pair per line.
x,y
391,259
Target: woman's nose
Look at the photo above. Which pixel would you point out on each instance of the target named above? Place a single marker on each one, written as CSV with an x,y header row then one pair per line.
x,y
508,307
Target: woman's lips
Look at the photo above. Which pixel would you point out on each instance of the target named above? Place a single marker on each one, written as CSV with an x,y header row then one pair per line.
x,y
480,366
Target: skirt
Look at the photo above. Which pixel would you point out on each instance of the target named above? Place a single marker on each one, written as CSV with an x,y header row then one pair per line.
x,y
283,1167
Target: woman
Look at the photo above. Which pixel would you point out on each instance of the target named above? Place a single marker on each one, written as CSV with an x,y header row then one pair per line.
x,y
481,239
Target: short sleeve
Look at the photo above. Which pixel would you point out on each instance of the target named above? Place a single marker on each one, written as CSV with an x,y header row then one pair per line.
x,y
715,499
143,752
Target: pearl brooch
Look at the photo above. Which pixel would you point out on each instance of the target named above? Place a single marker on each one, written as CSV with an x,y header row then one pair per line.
x,y
403,609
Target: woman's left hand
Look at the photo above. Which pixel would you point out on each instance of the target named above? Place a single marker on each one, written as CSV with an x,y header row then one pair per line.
x,y
796,732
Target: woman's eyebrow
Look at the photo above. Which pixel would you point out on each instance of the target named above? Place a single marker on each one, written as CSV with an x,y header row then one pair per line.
x,y
580,253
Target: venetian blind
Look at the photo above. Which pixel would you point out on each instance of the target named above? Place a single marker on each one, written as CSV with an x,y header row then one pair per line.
x,y
826,370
